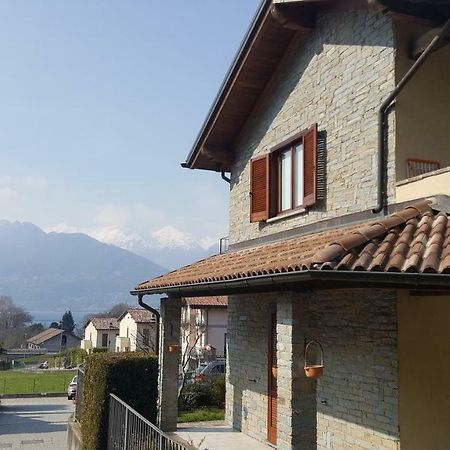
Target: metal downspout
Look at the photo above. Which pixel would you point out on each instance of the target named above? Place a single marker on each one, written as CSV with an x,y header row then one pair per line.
x,y
158,317
383,113
225,178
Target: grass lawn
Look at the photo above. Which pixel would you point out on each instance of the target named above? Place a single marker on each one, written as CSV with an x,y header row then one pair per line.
x,y
200,415
16,382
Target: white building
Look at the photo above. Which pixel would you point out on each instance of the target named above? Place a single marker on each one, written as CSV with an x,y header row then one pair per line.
x,y
137,331
100,332
203,328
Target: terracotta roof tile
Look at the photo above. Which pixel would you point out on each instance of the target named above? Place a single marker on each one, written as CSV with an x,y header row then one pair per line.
x,y
415,239
139,315
45,335
104,323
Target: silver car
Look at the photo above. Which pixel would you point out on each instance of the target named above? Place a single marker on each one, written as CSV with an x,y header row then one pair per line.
x,y
212,371
72,389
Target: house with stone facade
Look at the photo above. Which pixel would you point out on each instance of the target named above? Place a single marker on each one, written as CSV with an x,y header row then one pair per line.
x,y
333,123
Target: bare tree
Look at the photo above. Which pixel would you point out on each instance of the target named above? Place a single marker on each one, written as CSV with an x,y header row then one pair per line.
x,y
145,342
191,332
13,320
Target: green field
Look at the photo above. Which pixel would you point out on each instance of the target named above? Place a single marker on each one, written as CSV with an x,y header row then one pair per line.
x,y
17,382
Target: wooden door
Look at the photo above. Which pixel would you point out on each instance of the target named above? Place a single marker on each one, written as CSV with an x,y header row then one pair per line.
x,y
272,376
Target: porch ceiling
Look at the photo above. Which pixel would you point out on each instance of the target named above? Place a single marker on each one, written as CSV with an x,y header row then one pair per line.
x,y
408,248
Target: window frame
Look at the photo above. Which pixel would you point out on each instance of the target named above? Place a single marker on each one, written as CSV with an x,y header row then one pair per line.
x,y
289,144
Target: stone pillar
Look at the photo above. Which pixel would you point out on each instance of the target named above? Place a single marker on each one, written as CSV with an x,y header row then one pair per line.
x,y
297,407
169,364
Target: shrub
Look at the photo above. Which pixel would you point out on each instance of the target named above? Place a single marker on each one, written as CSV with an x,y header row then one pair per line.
x,y
130,376
218,390
100,350
74,357
202,394
195,395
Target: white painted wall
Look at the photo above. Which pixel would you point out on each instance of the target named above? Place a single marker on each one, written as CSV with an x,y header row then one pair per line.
x,y
135,332
95,336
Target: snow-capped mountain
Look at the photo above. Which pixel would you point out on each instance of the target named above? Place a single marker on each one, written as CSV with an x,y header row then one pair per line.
x,y
168,247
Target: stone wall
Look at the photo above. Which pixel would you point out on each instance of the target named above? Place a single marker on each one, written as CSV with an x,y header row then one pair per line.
x,y
354,405
336,76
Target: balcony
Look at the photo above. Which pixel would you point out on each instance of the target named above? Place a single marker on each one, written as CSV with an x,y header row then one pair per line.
x,y
86,344
122,344
425,185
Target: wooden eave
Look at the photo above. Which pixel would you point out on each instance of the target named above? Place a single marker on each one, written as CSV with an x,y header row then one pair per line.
x,y
260,53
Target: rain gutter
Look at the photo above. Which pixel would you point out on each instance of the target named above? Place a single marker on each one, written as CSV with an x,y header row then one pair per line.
x,y
296,280
153,311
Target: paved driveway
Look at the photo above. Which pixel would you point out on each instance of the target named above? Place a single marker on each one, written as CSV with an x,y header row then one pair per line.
x,y
34,423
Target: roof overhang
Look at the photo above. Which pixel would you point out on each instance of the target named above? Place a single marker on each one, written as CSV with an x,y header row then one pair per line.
x,y
307,280
269,36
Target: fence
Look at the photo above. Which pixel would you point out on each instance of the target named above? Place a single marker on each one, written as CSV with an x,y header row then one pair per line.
x,y
79,395
128,430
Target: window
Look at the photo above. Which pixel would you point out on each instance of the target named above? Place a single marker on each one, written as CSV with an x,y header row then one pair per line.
x,y
146,337
286,178
104,339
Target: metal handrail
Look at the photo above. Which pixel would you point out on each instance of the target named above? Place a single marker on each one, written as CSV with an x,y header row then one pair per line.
x,y
129,430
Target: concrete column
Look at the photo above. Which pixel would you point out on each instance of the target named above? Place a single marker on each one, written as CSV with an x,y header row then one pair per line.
x,y
169,363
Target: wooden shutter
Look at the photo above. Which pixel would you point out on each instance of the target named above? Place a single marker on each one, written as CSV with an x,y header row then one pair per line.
x,y
259,188
310,166
272,406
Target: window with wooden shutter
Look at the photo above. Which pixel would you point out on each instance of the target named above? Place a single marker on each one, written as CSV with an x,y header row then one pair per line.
x,y
295,174
259,188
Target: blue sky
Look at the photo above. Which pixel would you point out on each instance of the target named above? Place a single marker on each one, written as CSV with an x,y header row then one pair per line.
x,y
100,102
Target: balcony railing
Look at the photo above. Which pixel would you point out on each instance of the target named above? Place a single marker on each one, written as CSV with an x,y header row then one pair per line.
x,y
128,430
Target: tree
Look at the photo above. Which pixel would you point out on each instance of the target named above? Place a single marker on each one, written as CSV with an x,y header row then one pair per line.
x,y
54,325
191,332
13,320
34,328
67,322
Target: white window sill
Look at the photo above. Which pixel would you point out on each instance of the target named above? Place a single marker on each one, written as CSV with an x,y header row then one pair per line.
x,y
286,215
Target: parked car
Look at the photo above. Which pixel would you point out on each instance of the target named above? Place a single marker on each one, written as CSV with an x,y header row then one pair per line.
x,y
213,370
43,365
72,389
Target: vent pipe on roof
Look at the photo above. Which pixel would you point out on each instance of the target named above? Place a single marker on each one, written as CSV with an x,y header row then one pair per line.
x,y
383,114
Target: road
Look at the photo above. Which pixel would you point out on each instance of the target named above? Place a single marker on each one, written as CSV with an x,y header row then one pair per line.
x,y
34,423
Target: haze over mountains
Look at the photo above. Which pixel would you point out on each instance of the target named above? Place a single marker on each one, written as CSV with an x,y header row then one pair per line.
x,y
51,271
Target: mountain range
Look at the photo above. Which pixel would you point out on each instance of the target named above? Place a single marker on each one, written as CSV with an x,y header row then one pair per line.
x,y
53,271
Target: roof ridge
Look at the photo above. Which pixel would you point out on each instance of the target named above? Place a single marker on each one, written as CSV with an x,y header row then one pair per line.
x,y
362,236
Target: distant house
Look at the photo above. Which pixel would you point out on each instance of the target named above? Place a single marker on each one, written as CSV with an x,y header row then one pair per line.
x,y
137,331
54,340
100,332
204,328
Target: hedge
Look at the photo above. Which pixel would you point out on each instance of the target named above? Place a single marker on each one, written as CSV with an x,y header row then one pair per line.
x,y
133,377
